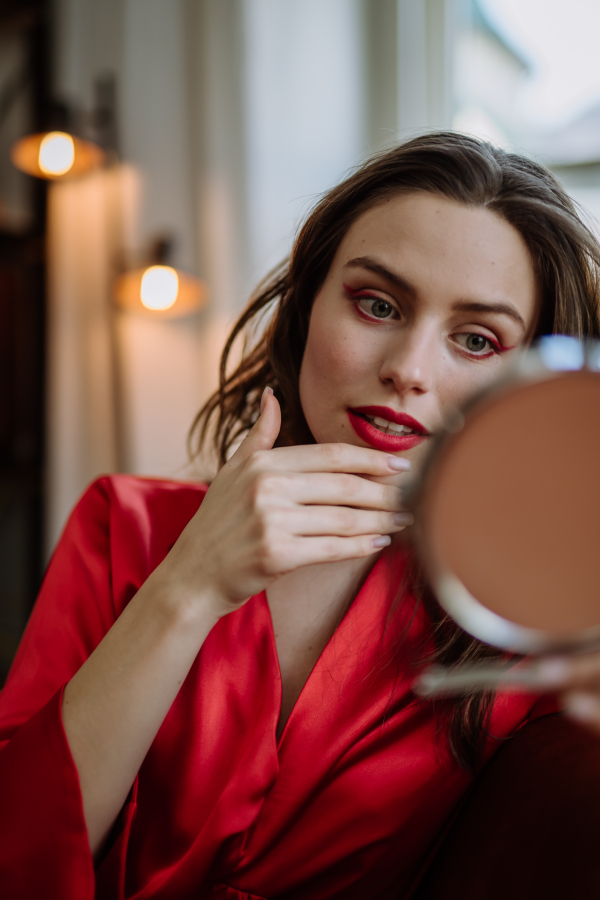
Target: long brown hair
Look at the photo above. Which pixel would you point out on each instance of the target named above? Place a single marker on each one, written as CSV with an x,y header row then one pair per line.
x,y
565,255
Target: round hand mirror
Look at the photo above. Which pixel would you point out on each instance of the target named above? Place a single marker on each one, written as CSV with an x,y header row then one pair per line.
x,y
509,507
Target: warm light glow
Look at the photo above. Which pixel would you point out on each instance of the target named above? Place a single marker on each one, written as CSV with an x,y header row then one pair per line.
x,y
160,286
57,153
153,292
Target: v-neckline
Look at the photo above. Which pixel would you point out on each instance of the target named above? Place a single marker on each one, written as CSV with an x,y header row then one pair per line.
x,y
350,612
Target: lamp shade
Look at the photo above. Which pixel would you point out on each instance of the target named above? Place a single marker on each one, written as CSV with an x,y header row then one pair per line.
x,y
160,291
56,155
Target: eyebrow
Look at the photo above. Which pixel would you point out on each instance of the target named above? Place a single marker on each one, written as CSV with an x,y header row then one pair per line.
x,y
367,262
503,309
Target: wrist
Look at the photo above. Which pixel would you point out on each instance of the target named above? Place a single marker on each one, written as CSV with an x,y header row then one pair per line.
x,y
199,607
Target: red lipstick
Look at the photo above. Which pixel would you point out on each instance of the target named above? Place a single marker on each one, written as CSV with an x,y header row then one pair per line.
x,y
391,443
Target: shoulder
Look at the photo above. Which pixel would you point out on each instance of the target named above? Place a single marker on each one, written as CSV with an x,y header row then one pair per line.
x,y
144,503
134,495
140,519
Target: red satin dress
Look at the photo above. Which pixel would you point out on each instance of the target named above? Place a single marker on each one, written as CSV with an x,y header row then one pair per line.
x,y
348,804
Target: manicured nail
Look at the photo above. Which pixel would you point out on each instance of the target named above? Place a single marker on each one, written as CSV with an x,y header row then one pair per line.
x,y
397,464
583,707
403,518
384,540
263,399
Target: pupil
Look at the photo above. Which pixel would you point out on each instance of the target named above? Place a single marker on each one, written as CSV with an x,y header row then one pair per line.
x,y
475,342
380,308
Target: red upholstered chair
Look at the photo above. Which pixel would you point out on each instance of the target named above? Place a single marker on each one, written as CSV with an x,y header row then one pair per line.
x,y
529,828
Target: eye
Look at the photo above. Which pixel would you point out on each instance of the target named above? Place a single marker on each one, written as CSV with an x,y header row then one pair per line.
x,y
376,308
477,344
382,309
370,306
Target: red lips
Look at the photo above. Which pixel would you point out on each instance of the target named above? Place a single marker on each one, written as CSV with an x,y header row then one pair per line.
x,y
388,442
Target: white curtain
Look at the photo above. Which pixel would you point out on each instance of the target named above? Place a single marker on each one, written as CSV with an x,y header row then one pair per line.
x,y
82,439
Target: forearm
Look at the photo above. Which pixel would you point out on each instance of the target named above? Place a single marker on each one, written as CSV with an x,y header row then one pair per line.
x,y
115,704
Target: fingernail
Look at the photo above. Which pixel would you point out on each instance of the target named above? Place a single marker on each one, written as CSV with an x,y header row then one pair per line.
x,y
553,671
583,707
402,518
263,399
383,540
397,464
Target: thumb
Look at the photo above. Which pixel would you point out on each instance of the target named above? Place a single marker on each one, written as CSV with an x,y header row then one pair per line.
x,y
263,433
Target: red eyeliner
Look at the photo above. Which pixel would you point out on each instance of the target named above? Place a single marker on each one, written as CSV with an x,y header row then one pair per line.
x,y
361,294
498,347
355,293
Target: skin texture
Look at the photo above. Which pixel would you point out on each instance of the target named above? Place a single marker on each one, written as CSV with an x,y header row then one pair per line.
x,y
305,523
415,360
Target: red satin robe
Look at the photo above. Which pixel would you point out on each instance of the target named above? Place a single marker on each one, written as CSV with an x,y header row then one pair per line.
x,y
348,804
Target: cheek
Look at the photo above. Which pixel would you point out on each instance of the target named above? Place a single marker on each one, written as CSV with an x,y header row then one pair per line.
x,y
334,364
322,375
330,359
461,382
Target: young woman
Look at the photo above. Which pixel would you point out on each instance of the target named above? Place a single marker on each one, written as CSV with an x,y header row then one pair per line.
x,y
213,695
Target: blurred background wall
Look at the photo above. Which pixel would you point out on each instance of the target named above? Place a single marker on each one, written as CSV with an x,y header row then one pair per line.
x,y
222,121
232,117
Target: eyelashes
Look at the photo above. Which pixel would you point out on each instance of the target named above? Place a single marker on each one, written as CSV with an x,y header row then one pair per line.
x,y
382,310
468,336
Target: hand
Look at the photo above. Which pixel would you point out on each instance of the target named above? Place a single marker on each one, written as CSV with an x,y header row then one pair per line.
x,y
270,511
577,680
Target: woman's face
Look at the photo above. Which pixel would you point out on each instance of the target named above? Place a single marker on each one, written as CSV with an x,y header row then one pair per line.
x,y
423,305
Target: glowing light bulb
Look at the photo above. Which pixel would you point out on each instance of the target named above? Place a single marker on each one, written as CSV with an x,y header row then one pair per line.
x,y
160,286
57,153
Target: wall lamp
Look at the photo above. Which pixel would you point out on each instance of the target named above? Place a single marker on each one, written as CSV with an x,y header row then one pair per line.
x,y
159,289
59,153
56,155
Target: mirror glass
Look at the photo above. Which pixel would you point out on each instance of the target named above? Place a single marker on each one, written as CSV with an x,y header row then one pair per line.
x,y
509,514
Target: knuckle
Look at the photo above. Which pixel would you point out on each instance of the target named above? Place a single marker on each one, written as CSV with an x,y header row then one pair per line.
x,y
335,454
331,548
264,487
256,461
269,556
349,486
347,519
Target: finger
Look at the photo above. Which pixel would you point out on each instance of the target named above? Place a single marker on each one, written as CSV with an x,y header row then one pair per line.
x,y
584,670
337,489
569,672
337,458
584,707
312,550
343,521
263,433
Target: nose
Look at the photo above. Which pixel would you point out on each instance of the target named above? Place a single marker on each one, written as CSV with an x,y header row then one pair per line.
x,y
410,362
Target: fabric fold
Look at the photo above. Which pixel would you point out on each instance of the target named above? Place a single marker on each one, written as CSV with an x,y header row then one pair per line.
x,y
348,804
44,849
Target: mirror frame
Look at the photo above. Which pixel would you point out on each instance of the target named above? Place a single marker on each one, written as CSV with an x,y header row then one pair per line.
x,y
551,357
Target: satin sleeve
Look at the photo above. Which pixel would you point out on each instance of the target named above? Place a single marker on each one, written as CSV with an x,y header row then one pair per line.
x,y
44,849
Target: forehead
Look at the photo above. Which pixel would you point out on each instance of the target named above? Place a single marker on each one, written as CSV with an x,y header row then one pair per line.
x,y
439,243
